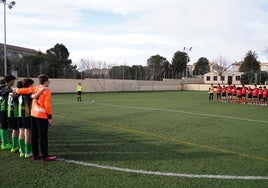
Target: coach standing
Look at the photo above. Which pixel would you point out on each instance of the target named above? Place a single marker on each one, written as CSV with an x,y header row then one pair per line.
x,y
41,113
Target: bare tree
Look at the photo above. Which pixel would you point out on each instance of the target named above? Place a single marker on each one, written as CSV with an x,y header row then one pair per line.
x,y
94,69
221,65
86,64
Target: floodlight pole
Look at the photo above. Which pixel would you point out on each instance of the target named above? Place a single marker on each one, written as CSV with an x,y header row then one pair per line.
x,y
185,49
10,5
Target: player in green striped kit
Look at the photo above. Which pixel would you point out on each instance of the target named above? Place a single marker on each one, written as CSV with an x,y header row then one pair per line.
x,y
24,121
12,114
5,90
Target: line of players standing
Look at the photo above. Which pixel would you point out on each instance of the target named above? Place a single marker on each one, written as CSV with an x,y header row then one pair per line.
x,y
243,94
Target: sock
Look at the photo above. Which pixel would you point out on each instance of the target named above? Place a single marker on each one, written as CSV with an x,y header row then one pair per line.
x,y
28,148
15,141
4,137
22,145
1,136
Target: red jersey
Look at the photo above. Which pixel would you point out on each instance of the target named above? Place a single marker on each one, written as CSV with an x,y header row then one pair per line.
x,y
260,92
223,90
239,92
244,90
229,89
264,93
234,91
255,91
219,88
250,91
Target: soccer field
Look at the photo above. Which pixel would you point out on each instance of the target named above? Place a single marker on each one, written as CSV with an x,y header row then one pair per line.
x,y
148,139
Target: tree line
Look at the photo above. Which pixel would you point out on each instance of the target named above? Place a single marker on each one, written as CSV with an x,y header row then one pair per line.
x,y
56,64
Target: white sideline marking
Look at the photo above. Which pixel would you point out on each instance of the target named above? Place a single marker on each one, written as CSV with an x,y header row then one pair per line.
x,y
170,174
184,112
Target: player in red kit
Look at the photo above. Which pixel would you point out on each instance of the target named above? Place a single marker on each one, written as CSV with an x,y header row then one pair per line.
x,y
264,95
249,92
229,92
233,94
239,94
260,102
218,90
244,93
223,93
255,95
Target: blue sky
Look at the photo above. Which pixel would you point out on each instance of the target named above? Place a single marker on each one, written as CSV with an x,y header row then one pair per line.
x,y
98,18
130,31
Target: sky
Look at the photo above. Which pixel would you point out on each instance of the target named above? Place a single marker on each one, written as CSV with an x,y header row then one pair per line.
x,y
128,32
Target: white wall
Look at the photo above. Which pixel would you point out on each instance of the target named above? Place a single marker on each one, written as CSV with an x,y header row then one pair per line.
x,y
110,85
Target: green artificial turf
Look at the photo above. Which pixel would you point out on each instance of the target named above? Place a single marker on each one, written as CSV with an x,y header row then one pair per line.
x,y
166,132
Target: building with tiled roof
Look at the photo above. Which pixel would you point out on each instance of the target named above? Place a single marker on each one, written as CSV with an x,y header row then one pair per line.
x,y
16,52
14,55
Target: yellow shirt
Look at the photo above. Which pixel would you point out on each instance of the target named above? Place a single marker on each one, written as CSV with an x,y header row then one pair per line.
x,y
79,88
211,89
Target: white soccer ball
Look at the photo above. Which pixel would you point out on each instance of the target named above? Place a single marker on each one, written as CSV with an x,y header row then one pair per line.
x,y
92,101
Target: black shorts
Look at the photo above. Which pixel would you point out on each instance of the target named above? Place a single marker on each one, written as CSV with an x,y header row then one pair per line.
x,y
3,120
19,122
249,96
223,94
13,123
79,92
26,121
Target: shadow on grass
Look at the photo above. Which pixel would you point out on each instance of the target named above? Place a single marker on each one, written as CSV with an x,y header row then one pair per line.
x,y
76,143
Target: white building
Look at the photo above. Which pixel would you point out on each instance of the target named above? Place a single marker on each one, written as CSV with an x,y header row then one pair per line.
x,y
231,76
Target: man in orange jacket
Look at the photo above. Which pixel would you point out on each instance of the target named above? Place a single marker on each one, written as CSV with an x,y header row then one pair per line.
x,y
41,113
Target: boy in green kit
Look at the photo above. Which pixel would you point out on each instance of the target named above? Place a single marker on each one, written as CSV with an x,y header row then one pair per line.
x,y
12,114
4,93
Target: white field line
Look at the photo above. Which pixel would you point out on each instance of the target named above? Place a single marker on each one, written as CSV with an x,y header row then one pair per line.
x,y
184,112
172,111
169,174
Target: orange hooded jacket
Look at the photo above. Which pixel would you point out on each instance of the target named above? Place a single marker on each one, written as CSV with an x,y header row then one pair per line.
x,y
41,107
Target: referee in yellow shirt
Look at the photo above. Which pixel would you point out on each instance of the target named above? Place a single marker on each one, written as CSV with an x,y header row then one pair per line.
x,y
79,89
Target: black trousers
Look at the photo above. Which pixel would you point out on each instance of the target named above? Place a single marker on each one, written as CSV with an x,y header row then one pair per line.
x,y
39,136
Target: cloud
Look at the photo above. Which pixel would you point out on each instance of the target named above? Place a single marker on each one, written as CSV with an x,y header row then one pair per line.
x,y
130,31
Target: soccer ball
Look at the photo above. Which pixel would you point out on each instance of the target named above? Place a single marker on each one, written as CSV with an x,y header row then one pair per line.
x,y
92,102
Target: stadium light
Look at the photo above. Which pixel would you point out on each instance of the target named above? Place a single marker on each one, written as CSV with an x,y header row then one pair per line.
x,y
185,49
10,6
